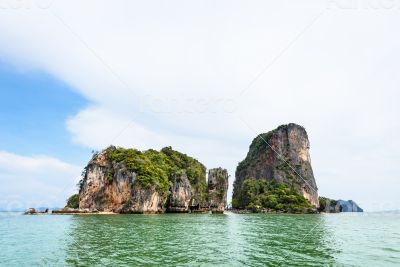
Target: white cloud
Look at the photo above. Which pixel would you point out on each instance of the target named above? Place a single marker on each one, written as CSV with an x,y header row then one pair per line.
x,y
35,181
99,128
173,72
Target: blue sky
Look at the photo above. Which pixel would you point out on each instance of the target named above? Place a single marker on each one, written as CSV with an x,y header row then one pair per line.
x,y
150,74
33,109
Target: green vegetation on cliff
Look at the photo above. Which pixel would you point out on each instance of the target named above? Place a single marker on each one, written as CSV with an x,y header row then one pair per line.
x,y
73,202
327,204
195,171
258,145
260,194
155,168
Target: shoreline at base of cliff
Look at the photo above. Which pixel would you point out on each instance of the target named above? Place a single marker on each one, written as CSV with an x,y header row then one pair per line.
x,y
234,211
269,211
70,211
84,213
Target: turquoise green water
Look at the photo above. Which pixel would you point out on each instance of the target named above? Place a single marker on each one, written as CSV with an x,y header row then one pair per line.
x,y
369,239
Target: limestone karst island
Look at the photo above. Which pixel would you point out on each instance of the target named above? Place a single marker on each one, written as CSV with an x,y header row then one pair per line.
x,y
275,176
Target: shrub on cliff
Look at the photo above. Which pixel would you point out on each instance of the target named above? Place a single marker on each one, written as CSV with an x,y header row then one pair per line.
x,y
327,204
73,202
272,195
155,168
258,145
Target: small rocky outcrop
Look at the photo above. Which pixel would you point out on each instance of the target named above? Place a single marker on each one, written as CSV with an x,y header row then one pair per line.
x,y
335,206
348,206
30,211
217,189
328,205
39,211
280,157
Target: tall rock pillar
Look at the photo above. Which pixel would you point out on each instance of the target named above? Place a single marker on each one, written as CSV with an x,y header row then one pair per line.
x,y
217,189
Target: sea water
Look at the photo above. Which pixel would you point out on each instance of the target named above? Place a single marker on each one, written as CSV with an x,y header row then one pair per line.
x,y
346,239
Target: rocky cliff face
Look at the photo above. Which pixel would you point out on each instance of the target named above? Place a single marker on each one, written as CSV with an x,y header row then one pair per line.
x,y
281,155
130,181
180,198
110,186
217,189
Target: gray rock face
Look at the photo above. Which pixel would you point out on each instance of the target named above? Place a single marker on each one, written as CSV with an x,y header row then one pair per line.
x,y
281,155
181,193
217,189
